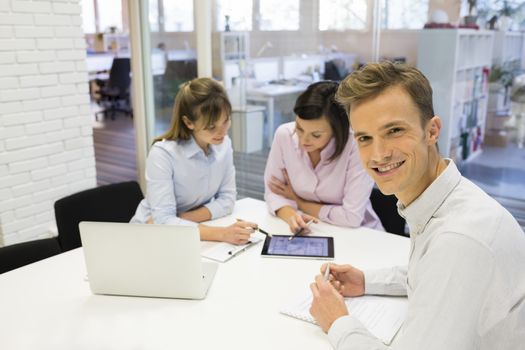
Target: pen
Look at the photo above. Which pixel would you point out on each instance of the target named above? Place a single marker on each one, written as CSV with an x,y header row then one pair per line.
x,y
263,231
327,272
300,231
248,228
259,229
241,249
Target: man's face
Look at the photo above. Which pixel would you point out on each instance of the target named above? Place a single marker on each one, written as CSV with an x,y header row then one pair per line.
x,y
393,146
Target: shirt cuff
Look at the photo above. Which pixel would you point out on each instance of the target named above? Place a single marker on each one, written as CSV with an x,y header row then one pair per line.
x,y
323,213
373,284
343,327
215,209
387,281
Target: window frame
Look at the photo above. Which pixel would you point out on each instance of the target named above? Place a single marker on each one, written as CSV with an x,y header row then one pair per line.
x,y
366,28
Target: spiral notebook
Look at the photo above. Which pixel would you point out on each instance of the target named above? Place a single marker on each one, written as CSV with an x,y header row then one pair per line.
x,y
381,315
223,251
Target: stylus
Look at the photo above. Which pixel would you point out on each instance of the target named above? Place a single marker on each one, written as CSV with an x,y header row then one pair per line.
x,y
327,272
248,228
300,231
263,231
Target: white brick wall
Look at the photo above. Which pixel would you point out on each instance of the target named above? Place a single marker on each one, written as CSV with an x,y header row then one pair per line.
x,y
46,139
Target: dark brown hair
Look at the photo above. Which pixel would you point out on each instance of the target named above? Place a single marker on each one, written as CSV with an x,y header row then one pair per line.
x,y
319,100
201,98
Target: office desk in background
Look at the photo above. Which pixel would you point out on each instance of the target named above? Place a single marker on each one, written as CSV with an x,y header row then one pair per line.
x,y
268,94
99,64
48,305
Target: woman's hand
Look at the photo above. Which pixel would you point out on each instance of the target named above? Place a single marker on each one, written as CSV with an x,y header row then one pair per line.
x,y
281,188
299,221
238,233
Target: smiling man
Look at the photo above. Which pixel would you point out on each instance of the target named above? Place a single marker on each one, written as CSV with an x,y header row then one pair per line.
x,y
465,280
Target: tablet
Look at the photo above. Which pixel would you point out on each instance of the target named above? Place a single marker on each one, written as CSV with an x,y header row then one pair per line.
x,y
299,247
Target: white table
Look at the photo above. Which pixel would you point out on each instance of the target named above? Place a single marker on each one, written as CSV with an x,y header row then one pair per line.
x,y
48,305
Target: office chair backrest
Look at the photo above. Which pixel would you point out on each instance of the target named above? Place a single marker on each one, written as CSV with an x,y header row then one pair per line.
x,y
386,208
119,75
177,73
20,254
111,203
181,70
331,72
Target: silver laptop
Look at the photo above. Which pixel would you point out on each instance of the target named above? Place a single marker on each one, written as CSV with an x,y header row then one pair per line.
x,y
145,260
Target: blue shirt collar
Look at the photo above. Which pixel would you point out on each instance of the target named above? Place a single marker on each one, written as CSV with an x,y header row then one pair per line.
x,y
191,148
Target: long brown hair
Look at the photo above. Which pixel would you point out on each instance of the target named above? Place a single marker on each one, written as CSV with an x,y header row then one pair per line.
x,y
319,100
201,98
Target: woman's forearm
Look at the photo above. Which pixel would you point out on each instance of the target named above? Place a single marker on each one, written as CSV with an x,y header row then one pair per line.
x,y
196,215
310,208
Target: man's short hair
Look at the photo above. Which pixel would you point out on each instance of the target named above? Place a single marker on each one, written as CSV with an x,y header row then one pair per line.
x,y
374,78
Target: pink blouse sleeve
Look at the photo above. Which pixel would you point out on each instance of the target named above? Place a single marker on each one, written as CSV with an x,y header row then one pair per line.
x,y
274,167
356,195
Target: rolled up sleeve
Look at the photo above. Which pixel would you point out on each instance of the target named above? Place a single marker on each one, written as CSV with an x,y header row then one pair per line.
x,y
388,281
224,201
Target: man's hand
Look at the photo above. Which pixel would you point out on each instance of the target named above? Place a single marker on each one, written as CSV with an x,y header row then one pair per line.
x,y
327,304
346,279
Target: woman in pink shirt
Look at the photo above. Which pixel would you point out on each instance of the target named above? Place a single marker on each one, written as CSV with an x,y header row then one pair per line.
x,y
313,169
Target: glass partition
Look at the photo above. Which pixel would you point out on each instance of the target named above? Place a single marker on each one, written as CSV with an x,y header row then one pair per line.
x,y
265,53
173,55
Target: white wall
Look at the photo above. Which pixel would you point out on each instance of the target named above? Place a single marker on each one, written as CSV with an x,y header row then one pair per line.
x,y
46,143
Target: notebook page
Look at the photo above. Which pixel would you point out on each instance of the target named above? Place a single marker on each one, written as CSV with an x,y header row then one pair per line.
x,y
381,315
223,251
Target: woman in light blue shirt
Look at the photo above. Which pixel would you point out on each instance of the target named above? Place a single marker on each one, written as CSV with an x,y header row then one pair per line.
x,y
189,171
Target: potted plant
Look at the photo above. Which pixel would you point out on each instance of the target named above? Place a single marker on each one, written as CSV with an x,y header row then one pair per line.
x,y
507,9
500,82
472,16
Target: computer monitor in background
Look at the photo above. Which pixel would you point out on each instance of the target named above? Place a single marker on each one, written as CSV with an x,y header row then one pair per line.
x,y
295,66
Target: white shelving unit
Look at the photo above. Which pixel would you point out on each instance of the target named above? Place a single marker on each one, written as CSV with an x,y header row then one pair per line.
x,y
235,51
235,46
457,64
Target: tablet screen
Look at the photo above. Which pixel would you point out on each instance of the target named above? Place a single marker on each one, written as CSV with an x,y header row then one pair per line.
x,y
302,246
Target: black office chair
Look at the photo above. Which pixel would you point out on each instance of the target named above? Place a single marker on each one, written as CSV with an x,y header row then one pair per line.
x,y
21,254
331,72
115,93
386,209
110,203
176,73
